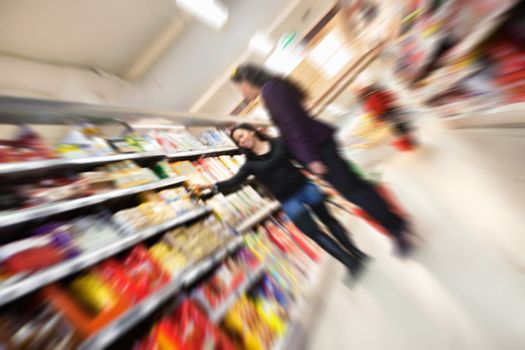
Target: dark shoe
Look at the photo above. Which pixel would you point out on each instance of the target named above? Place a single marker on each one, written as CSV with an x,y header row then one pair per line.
x,y
403,245
357,268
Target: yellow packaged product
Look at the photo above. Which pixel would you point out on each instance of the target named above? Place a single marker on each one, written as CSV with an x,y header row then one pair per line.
x,y
93,292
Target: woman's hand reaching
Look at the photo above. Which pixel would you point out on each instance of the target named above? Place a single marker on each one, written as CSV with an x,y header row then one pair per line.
x,y
199,188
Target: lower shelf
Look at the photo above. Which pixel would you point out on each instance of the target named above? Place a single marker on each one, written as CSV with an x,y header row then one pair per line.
x,y
139,312
72,266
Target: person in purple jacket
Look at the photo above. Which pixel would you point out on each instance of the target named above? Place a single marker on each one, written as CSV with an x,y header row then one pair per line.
x,y
312,143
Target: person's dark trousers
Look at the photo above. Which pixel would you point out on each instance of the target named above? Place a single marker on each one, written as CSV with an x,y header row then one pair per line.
x,y
304,222
337,230
358,191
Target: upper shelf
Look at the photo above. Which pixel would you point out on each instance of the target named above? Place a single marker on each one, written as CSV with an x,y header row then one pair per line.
x,y
21,110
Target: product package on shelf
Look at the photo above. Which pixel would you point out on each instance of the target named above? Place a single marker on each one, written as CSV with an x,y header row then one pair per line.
x,y
232,273
156,208
180,140
46,191
55,242
26,146
247,324
215,138
186,245
236,207
187,328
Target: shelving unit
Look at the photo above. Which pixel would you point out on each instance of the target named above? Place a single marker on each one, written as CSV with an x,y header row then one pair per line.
x,y
303,308
24,215
139,312
444,78
39,279
257,218
186,154
16,110
216,315
23,167
47,112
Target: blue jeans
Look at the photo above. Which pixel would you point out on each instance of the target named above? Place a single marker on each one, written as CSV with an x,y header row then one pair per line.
x,y
308,196
301,209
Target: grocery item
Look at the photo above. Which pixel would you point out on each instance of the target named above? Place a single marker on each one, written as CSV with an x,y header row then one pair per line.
x,y
93,293
244,321
187,328
26,146
144,271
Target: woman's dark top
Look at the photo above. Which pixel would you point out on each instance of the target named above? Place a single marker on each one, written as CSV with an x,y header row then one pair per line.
x,y
273,169
302,134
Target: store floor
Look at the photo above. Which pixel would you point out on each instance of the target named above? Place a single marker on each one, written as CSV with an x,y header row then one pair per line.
x,y
465,287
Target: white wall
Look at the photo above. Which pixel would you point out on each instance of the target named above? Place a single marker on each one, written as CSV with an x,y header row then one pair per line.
x,y
21,77
202,55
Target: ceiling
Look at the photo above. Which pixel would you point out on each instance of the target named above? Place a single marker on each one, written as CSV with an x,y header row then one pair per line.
x,y
104,34
168,58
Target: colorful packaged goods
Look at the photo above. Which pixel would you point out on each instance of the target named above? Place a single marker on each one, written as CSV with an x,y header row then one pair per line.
x,y
245,323
144,271
36,326
188,328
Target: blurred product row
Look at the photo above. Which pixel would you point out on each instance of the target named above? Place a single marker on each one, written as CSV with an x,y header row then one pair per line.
x,y
86,140
461,56
244,302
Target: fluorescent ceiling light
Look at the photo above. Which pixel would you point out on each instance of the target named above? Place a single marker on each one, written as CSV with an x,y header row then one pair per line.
x,y
211,12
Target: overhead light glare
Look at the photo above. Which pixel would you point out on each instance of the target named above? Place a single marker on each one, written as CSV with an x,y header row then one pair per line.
x,y
211,12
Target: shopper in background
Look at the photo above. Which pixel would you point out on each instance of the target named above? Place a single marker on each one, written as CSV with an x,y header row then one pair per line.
x,y
269,162
382,105
312,142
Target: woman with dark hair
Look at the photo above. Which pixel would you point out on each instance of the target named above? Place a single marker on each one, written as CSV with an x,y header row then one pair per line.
x,y
312,142
269,162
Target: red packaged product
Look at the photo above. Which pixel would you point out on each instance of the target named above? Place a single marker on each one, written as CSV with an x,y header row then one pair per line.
x,y
198,332
300,239
33,259
511,78
142,269
278,240
115,275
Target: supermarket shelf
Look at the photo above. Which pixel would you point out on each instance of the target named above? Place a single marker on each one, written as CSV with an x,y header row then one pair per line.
x,y
72,266
21,167
507,116
186,154
24,215
139,312
22,110
483,30
304,309
258,217
218,314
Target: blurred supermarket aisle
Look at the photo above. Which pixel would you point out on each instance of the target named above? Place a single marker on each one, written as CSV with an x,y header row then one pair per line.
x,y
465,288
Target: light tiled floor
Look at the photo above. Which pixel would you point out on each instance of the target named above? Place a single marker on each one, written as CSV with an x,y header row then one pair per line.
x,y
465,287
